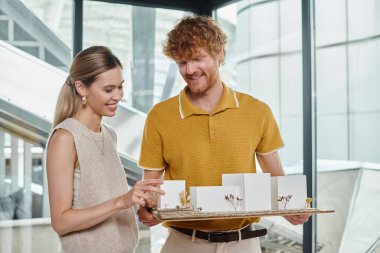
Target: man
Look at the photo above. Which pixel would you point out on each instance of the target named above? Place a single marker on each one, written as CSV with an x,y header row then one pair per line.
x,y
204,132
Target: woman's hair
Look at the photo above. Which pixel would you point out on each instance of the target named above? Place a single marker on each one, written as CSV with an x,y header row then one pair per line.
x,y
192,33
86,66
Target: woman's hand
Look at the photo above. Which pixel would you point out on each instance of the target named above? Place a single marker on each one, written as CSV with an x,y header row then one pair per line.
x,y
140,193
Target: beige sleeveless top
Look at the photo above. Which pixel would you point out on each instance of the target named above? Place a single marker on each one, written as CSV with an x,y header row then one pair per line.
x,y
99,177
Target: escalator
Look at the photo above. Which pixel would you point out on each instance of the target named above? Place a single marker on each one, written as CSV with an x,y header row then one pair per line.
x,y
29,89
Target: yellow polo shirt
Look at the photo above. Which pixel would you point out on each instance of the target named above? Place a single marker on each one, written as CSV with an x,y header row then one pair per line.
x,y
195,145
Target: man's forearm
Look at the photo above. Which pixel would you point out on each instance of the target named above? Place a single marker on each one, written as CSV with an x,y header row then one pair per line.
x,y
271,163
153,174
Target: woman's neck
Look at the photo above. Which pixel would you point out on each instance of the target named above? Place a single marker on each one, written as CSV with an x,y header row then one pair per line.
x,y
89,119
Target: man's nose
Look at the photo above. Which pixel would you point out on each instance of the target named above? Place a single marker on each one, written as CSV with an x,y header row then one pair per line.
x,y
190,68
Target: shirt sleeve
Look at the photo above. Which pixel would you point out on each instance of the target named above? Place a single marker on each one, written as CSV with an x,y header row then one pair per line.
x,y
151,155
271,140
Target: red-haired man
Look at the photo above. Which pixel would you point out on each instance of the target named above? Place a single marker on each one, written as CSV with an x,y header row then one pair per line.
x,y
206,131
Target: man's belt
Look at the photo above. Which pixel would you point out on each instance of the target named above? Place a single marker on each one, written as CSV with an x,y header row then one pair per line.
x,y
246,233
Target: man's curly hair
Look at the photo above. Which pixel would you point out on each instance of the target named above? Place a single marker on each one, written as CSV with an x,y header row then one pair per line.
x,y
192,33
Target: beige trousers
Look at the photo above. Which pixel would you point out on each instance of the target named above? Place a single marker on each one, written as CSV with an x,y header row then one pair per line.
x,y
178,242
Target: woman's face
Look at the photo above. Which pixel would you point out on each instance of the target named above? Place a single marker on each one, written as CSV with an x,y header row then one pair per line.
x,y
106,92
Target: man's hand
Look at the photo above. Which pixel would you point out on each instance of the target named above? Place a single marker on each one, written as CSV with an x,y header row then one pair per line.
x,y
271,163
146,218
297,219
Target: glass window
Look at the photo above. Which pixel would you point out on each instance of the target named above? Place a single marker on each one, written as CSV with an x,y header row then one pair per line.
x,y
4,31
40,28
264,86
330,21
364,20
243,17
329,86
24,207
291,109
348,119
56,15
364,78
290,25
265,28
291,85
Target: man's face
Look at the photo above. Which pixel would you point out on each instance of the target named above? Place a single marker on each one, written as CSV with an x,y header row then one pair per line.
x,y
201,71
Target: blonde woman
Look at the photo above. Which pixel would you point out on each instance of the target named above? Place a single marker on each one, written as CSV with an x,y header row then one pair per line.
x,y
91,206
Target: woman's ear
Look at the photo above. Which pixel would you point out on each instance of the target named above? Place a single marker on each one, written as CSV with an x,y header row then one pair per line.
x,y
81,88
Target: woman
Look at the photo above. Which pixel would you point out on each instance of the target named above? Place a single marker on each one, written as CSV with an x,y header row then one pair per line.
x,y
91,207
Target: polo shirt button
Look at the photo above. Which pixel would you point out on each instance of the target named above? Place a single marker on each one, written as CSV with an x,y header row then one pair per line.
x,y
212,131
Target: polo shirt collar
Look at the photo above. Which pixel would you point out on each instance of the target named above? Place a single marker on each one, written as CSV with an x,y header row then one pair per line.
x,y
228,101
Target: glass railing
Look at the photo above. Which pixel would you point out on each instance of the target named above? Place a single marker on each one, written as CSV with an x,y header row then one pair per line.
x,y
24,205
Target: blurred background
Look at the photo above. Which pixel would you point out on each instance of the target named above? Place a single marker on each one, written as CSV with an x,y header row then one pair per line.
x,y
335,140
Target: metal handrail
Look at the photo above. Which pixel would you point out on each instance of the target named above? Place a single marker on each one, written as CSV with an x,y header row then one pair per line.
x,y
35,129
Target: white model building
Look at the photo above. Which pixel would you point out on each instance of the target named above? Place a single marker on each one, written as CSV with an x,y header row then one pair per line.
x,y
245,192
172,189
288,192
255,189
213,198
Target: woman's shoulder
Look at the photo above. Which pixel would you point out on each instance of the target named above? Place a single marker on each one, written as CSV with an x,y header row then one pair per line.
x,y
62,135
111,131
63,131
61,139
